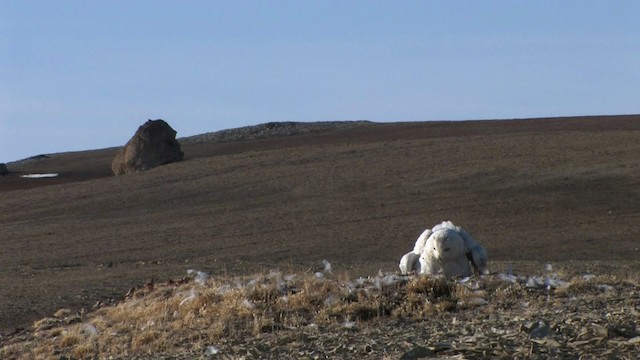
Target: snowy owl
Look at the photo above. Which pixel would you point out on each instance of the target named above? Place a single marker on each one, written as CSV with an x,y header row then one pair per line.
x,y
446,249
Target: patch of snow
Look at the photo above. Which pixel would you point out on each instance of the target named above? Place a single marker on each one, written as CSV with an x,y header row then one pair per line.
x,y
89,329
470,283
149,324
327,266
223,289
189,298
39,176
248,304
211,350
392,279
605,288
348,324
556,283
200,276
535,282
330,300
548,267
508,278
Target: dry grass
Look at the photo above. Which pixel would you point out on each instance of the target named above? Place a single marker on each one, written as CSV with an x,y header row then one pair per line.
x,y
187,316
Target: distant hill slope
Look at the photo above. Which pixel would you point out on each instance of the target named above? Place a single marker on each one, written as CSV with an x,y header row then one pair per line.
x,y
270,130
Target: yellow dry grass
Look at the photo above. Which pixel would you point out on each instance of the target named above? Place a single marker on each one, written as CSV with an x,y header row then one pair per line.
x,y
182,318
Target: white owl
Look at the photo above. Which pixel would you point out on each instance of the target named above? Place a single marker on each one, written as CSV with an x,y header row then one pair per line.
x,y
446,249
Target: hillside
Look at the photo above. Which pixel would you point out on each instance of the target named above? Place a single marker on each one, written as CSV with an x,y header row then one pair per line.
x,y
562,190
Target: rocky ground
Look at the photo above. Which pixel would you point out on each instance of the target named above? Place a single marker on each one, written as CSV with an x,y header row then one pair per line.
x,y
560,191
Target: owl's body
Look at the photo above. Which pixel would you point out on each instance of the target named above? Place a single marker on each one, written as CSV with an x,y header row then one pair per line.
x,y
446,250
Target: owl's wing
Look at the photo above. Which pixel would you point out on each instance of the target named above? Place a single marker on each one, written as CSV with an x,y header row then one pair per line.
x,y
422,239
409,262
476,254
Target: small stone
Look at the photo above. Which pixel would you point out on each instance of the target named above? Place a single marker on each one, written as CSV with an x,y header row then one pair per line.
x,y
579,343
552,343
599,330
441,346
417,352
626,331
538,329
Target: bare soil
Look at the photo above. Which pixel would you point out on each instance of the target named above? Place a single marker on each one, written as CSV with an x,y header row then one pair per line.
x,y
564,191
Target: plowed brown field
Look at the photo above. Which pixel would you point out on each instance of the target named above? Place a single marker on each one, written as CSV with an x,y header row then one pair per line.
x,y
565,191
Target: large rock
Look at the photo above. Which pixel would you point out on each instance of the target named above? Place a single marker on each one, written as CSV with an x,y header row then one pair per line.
x,y
154,144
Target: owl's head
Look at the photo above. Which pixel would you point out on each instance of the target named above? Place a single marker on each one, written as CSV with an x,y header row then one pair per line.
x,y
446,244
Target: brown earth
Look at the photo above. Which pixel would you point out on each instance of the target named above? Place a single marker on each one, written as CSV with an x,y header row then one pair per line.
x,y
565,191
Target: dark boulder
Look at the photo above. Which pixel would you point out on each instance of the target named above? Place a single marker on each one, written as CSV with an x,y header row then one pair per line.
x,y
154,144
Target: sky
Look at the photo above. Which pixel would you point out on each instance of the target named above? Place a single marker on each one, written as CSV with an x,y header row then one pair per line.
x,y
79,75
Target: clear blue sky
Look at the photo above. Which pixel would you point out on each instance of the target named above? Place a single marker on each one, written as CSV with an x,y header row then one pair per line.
x,y
84,74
